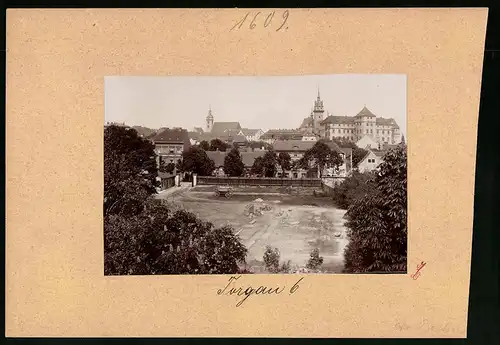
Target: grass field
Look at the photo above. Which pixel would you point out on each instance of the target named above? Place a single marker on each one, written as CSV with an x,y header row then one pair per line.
x,y
295,224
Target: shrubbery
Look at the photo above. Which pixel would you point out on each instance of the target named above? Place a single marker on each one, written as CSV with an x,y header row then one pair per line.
x,y
315,261
377,222
352,188
158,241
143,236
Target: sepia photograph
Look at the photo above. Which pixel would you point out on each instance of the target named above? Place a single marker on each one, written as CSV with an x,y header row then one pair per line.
x,y
255,175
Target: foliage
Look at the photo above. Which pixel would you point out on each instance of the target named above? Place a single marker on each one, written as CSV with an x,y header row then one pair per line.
x,y
352,188
130,170
272,261
195,160
258,145
357,155
205,145
159,241
321,156
284,161
166,167
233,164
257,166
218,145
178,165
315,260
269,163
378,222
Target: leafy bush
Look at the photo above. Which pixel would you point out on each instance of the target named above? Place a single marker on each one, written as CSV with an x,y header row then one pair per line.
x,y
130,171
352,188
315,261
233,164
158,241
377,222
272,261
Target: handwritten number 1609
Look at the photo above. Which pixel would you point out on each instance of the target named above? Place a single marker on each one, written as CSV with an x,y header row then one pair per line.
x,y
267,20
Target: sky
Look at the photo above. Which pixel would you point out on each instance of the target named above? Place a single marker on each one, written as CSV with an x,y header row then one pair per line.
x,y
254,102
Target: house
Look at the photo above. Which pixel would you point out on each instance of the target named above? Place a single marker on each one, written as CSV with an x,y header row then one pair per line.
x,y
170,143
247,157
297,148
367,142
365,123
281,134
219,128
198,130
310,137
371,160
252,134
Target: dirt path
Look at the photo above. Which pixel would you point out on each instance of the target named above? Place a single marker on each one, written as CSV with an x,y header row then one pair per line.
x,y
294,229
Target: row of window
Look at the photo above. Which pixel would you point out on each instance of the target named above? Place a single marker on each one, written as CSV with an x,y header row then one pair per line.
x,y
172,149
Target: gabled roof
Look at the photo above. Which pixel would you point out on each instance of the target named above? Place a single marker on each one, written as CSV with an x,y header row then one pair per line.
x,y
172,135
386,122
378,153
338,120
302,146
307,122
198,129
249,132
247,157
221,127
365,112
282,133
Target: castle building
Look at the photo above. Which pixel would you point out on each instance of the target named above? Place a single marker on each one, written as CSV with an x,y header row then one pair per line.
x,y
363,124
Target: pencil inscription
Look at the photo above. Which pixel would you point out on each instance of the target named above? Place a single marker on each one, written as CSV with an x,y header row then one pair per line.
x,y
249,290
264,19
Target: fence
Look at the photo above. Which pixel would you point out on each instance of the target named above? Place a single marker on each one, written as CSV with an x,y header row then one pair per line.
x,y
167,182
259,181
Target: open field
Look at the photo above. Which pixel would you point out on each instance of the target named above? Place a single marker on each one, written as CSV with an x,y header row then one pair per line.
x,y
293,224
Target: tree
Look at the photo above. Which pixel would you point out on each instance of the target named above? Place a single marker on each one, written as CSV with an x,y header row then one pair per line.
x,y
159,241
377,222
284,161
321,156
166,167
218,145
403,139
258,145
352,188
257,167
195,160
130,170
205,145
269,163
233,165
315,260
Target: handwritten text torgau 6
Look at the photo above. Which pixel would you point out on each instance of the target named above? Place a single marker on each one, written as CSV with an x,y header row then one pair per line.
x,y
264,19
248,291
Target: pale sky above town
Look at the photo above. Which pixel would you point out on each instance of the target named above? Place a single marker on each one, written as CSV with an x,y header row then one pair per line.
x,y
254,102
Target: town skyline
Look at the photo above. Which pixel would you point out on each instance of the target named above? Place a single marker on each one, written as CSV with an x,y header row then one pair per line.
x,y
255,102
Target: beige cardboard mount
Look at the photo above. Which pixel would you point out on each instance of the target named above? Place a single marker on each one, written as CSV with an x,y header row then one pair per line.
x,y
56,64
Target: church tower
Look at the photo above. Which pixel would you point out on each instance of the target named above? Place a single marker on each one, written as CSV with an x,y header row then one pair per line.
x,y
318,112
209,121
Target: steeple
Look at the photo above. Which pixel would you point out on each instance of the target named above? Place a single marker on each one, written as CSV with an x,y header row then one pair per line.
x,y
209,120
